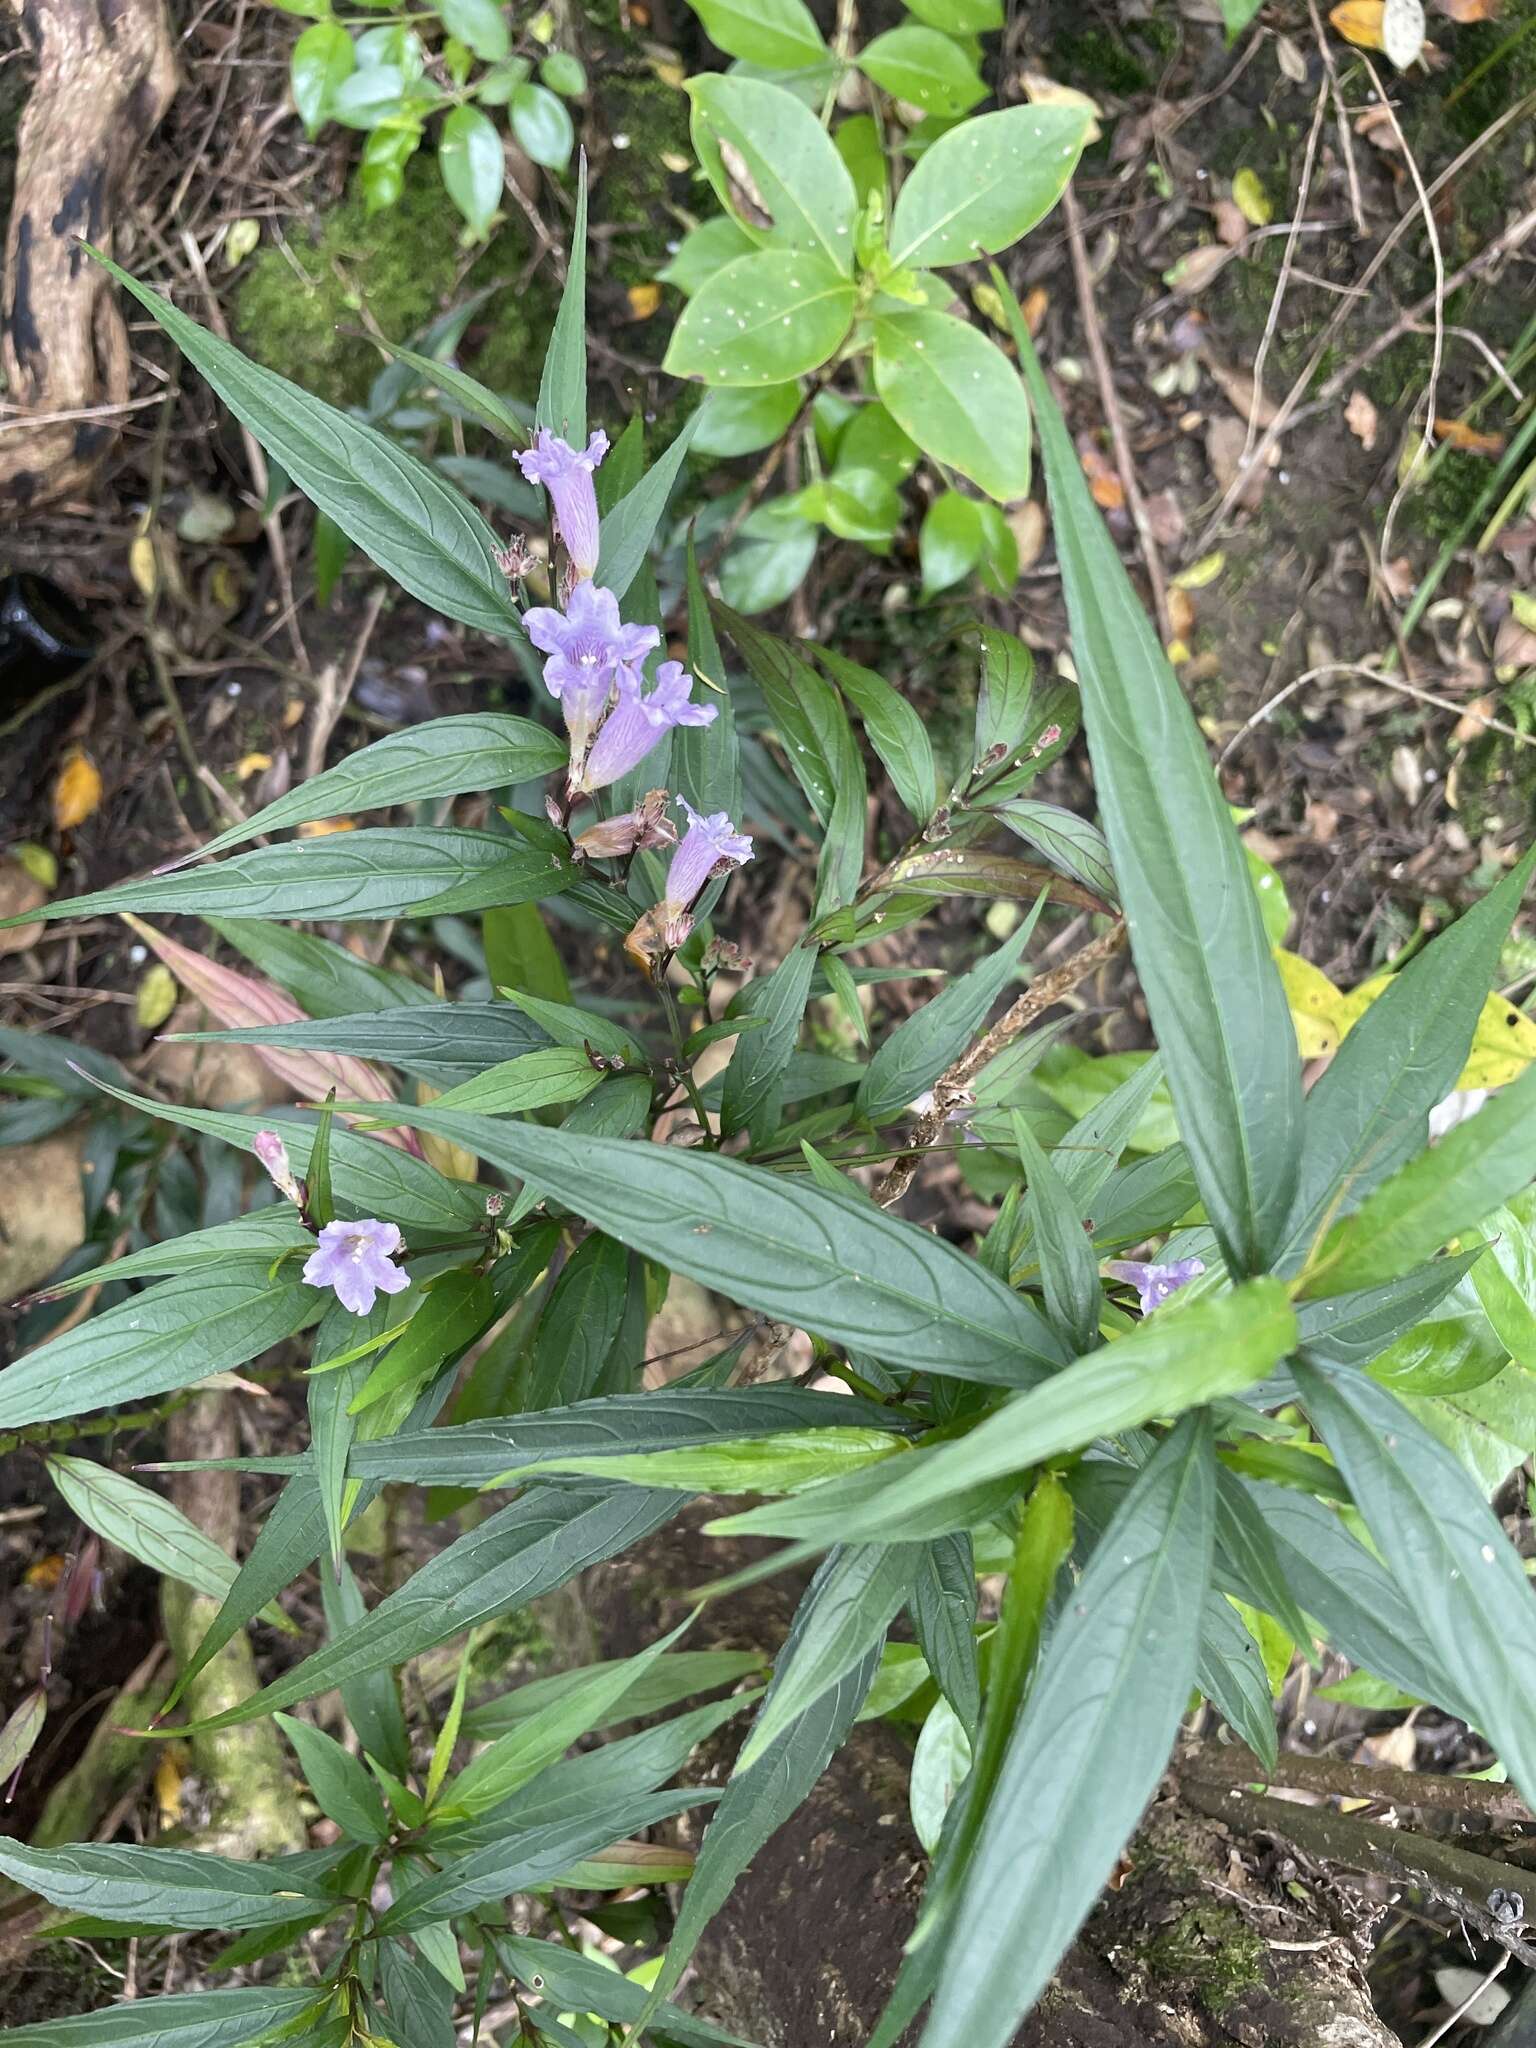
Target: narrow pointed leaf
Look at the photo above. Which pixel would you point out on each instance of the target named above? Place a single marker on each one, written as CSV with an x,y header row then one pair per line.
x,y
1087,1752
628,530
187,2019
1217,1006
166,1887
562,402
574,1982
943,1609
444,1043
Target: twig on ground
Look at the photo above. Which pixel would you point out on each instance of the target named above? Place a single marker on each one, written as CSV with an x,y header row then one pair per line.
x,y
1287,265
333,688
1373,675
1341,116
949,1090
1232,1763
1113,418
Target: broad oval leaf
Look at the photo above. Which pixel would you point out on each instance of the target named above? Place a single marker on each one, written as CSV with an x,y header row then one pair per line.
x,y
322,57
479,25
780,34
923,67
957,395
986,183
739,421
824,1262
801,196
1201,950
774,314
394,507
471,164
1087,1750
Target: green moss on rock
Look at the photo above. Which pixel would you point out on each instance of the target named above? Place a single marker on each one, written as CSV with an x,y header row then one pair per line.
x,y
1208,1951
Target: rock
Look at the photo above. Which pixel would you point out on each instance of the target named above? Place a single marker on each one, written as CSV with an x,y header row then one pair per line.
x,y
19,892
42,1212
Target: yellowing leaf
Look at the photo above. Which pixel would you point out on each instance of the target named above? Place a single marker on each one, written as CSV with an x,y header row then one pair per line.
x,y
643,300
251,764
77,792
1360,22
321,828
168,1787
156,997
448,1158
143,564
39,863
1251,200
241,239
1314,1002
1045,92
1200,573
1503,1046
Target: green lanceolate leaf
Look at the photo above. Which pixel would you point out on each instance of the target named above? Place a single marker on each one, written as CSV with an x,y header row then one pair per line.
x,y
1004,698
895,732
1073,844
1351,1596
916,1053
444,1043
653,1686
137,1520
628,530
1368,1114
943,1610
1353,1329
985,183
1435,1197
782,1463
527,1549
266,1232
562,402
758,1801
843,1619
534,1080
1230,1671
574,1982
169,1336
1444,1546
393,506
1069,1266
420,872
324,979
481,404
957,395
368,1179
167,1887
187,2019
1204,958
776,314
824,1262
445,757
706,758
580,1325
418,2001
342,1787
1087,1752
1169,1363
803,196
754,1091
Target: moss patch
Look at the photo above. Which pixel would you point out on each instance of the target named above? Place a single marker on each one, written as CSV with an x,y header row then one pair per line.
x,y
1208,1950
401,265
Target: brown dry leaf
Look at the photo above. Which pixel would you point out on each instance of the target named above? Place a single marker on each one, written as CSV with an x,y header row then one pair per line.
x,y
643,300
1290,58
1360,22
1514,645
1469,10
77,792
1395,1747
1034,310
1108,493
1322,820
1181,613
1361,420
1238,389
1046,92
1231,228
1397,578
1027,524
1459,435
1193,272
1166,519
1377,125
1225,440
322,828
1473,722
20,891
43,1576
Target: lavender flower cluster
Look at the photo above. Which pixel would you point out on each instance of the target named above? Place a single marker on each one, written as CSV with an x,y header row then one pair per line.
x,y
594,668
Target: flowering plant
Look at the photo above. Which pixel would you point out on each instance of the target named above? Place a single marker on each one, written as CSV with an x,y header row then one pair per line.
x,y
1264,1447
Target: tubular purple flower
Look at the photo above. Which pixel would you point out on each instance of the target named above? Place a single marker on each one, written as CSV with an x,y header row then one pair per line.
x,y
355,1260
636,723
591,653
273,1154
566,473
706,843
1152,1283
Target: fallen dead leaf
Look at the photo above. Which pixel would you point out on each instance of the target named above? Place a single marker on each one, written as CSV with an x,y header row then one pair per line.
x,y
1027,524
1359,22
1322,820
43,1576
20,892
1397,578
643,300
1468,10
1291,59
1377,125
1231,227
1473,722
1457,434
1181,613
1237,388
1108,493
251,764
1047,92
1407,772
321,828
1199,575
1166,518
1034,309
1361,419
1402,31
77,792
1396,1747
1225,440
1194,271
1514,645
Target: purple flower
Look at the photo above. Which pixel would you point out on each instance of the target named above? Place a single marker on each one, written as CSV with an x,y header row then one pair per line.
x,y
1154,1284
355,1259
566,474
637,722
706,843
273,1154
590,654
